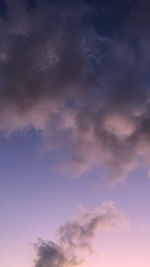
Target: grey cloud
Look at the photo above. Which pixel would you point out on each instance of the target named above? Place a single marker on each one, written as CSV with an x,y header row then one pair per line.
x,y
49,255
75,236
137,25
82,91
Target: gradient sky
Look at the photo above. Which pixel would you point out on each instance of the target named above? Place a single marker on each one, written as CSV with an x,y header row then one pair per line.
x,y
74,133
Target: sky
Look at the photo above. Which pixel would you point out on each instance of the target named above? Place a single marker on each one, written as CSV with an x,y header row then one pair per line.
x,y
74,133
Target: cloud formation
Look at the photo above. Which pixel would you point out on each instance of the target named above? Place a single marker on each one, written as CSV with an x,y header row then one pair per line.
x,y
76,236
82,90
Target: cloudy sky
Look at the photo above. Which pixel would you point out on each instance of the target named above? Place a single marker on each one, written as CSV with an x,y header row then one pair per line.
x,y
74,133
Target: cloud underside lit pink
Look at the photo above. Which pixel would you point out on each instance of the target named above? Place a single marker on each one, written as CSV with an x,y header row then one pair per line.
x,y
49,83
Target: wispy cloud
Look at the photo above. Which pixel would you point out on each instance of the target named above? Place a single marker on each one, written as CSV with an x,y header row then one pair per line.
x,y
75,236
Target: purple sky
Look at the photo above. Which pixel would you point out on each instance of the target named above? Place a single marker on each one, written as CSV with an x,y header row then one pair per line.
x,y
36,200
74,133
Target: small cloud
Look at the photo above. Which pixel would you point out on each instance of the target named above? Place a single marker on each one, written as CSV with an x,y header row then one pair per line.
x,y
75,236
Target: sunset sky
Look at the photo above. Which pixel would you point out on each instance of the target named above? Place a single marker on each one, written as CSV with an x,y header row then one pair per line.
x,y
74,133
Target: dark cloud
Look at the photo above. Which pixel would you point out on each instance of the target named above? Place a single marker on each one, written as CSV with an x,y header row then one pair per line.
x,y
82,90
137,25
49,255
75,236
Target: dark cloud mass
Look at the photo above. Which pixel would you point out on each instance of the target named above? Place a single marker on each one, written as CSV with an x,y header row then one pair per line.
x,y
82,90
76,236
